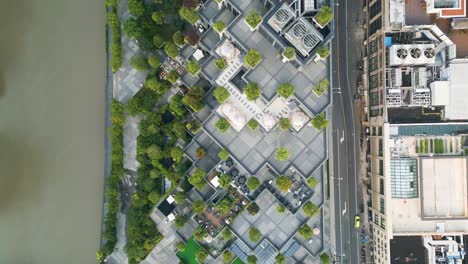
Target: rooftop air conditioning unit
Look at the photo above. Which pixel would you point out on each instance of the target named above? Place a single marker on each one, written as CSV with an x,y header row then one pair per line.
x,y
402,53
415,53
429,53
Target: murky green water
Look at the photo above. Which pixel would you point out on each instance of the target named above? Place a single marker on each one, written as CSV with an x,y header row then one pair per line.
x,y
52,84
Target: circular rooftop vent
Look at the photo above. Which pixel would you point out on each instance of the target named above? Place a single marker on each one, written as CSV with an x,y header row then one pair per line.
x,y
310,40
402,53
429,53
299,30
282,15
415,53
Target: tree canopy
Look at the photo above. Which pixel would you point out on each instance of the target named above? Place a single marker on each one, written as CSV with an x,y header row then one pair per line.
x,y
253,19
312,182
180,197
180,221
219,26
177,106
252,91
194,98
221,94
171,49
224,180
198,206
154,61
309,208
189,14
282,154
180,245
177,153
324,16
305,231
178,38
251,259
323,52
280,208
193,68
226,234
285,90
191,37
197,178
221,63
199,233
136,7
284,123
253,124
222,124
201,255
224,205
289,53
283,183
325,258
255,234
280,259
172,76
155,85
252,58
227,256
223,154
253,183
321,87
158,17
139,63
253,208
319,122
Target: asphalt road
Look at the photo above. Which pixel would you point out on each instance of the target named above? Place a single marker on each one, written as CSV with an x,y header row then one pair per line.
x,y
346,130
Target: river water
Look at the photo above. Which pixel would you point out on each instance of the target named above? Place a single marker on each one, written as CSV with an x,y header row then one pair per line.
x,y
52,103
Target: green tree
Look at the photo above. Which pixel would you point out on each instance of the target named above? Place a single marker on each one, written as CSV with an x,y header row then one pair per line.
x,y
177,154
199,233
224,205
309,208
253,208
305,231
142,102
324,16
280,208
189,14
154,61
321,87
280,259
171,50
180,221
158,40
113,19
132,28
139,63
180,245
223,154
312,182
112,3
252,91
193,68
154,197
254,234
251,259
282,154
289,53
227,256
178,38
285,90
177,106
221,94
284,123
253,19
194,98
219,26
222,124
154,84
180,197
198,206
136,7
224,180
221,63
253,183
201,255
319,122
197,179
226,235
252,58
253,124
283,183
172,76
323,52
158,17
325,259
200,152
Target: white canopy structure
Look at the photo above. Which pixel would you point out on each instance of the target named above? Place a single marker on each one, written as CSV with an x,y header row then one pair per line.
x,y
268,121
227,50
232,114
298,119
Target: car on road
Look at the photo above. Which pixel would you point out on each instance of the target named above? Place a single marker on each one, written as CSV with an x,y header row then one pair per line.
x,y
361,208
357,221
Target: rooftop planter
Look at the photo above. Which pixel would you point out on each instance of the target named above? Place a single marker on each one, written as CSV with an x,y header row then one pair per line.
x,y
194,98
171,50
321,87
282,154
324,16
191,38
189,14
323,52
221,94
221,63
253,20
289,54
252,91
252,58
172,77
285,90
178,38
193,68
319,122
222,125
219,26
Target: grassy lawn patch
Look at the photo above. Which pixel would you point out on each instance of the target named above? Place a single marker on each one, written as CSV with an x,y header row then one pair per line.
x,y
188,255
237,261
